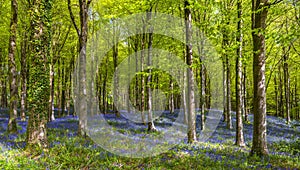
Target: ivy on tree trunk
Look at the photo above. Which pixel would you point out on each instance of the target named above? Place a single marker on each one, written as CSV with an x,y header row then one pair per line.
x,y
38,93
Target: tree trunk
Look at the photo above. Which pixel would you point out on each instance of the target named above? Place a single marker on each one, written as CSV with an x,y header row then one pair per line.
x,y
202,96
280,86
276,96
238,84
245,95
51,100
207,90
224,92
172,107
115,60
39,75
190,77
202,80
63,89
58,88
13,102
184,81
151,126
82,33
143,40
286,85
228,102
82,92
104,95
24,76
259,16
184,94
203,77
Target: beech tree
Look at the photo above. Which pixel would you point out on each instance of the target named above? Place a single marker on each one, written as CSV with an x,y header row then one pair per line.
x,y
259,17
13,102
286,78
239,102
190,76
151,126
82,33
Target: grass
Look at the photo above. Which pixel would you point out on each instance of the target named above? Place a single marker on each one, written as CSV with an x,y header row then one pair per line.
x,y
72,152
78,153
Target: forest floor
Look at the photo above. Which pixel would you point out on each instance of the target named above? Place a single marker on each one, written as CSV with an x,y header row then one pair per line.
x,y
69,151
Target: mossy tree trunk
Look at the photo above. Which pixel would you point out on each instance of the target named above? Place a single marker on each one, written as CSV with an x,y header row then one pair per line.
x,y
38,91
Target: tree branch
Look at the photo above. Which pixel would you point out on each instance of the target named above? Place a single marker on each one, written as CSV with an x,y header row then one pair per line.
x,y
88,3
65,39
273,3
73,18
295,49
273,68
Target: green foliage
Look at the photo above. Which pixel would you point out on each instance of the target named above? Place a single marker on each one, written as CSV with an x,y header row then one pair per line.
x,y
292,148
79,153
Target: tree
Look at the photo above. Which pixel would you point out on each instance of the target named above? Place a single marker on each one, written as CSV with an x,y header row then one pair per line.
x,y
286,78
151,126
238,84
202,73
24,74
58,43
244,96
190,77
115,61
82,33
38,93
13,102
226,8
259,16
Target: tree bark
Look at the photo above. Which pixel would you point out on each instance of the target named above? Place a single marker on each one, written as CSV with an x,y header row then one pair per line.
x,y
115,61
190,77
280,87
259,16
143,40
58,88
82,33
151,126
13,102
245,96
224,92
104,95
63,89
228,95
238,84
24,76
51,99
276,96
207,90
39,75
171,104
202,86
286,86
